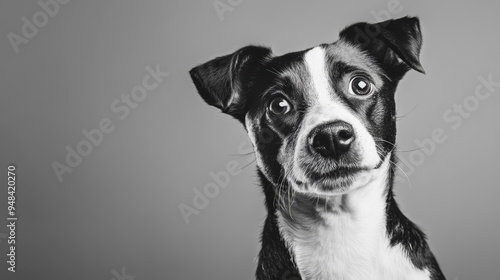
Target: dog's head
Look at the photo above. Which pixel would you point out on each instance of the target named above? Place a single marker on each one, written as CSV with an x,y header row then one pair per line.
x,y
322,120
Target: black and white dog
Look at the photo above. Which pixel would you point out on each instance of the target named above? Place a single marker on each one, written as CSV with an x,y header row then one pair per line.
x,y
323,126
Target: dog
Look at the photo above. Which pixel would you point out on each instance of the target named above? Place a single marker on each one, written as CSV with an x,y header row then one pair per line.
x,y
323,127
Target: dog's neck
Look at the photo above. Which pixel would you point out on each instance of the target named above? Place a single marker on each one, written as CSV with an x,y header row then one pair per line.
x,y
341,237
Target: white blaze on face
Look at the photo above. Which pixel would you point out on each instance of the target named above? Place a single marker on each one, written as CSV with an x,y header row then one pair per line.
x,y
326,107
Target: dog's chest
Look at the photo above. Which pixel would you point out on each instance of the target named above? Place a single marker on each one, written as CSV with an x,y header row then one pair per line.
x,y
347,247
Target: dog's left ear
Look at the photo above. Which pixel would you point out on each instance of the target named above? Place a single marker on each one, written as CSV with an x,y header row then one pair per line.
x,y
223,81
395,43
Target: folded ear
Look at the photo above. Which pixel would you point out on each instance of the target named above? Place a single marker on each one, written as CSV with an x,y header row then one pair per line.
x,y
223,81
395,42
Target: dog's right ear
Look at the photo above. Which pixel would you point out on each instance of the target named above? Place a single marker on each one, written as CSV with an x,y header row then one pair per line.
x,y
395,42
223,81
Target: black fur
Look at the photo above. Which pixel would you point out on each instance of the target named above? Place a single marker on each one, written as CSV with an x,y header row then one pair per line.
x,y
218,80
403,231
389,40
275,262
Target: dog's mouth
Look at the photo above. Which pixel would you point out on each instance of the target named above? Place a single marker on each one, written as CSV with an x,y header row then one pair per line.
x,y
338,180
337,173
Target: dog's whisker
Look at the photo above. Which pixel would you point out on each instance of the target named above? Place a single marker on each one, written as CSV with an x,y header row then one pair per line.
x,y
247,165
281,188
277,198
404,115
377,139
242,154
288,192
407,178
399,160
409,151
396,165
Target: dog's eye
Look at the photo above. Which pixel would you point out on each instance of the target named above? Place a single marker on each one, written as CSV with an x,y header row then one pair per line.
x,y
279,106
360,86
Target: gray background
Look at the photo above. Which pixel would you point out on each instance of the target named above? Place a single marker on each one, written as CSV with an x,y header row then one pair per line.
x,y
119,207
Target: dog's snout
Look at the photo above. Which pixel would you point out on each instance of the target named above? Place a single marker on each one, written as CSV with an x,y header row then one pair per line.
x,y
331,140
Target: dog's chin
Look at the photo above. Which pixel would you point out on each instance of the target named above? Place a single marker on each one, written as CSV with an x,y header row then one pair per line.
x,y
336,182
339,180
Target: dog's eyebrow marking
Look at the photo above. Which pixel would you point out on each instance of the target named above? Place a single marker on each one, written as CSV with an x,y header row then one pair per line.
x,y
288,76
342,66
351,55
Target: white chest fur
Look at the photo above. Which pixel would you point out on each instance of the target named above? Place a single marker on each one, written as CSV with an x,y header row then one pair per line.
x,y
349,242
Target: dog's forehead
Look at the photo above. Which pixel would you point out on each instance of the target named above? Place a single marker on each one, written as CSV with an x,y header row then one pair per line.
x,y
328,59
348,54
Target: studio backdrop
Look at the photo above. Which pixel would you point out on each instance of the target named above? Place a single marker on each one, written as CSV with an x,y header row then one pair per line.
x,y
123,172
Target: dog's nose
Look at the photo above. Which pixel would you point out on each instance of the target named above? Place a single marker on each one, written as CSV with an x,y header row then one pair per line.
x,y
331,140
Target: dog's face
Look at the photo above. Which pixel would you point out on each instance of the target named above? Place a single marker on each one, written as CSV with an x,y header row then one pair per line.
x,y
322,121
328,110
